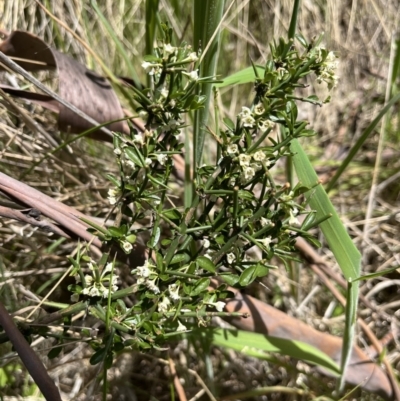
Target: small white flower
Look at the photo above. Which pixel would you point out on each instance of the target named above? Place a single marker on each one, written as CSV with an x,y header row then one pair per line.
x,y
164,92
146,65
281,72
144,271
248,173
219,306
151,285
266,222
259,156
173,290
193,75
126,246
163,305
259,109
113,195
206,243
107,268
162,158
129,163
248,121
192,57
209,254
266,241
88,280
169,49
94,292
245,112
151,68
230,257
138,138
293,220
181,327
232,149
244,160
264,125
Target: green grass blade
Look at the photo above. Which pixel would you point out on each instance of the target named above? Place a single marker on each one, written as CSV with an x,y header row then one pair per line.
x,y
207,17
256,345
118,44
361,141
340,243
346,254
293,21
151,27
241,77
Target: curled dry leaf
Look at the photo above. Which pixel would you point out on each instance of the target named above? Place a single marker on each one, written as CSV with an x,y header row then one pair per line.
x,y
78,85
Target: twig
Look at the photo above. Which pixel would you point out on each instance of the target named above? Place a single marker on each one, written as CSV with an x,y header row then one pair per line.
x,y
177,383
29,357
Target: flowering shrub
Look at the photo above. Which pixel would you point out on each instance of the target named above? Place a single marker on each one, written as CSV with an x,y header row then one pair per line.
x,y
240,221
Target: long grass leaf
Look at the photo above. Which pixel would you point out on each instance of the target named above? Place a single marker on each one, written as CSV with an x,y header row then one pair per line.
x,y
256,345
340,243
117,42
207,17
241,77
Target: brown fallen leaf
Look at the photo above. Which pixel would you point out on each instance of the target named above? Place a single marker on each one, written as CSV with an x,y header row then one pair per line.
x,y
78,85
265,319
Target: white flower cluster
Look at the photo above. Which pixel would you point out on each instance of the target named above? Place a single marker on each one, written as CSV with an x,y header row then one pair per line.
x,y
97,288
147,276
219,305
113,195
249,118
327,71
152,68
291,206
169,53
250,164
246,117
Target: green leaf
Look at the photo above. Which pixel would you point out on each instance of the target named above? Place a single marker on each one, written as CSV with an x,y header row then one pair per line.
x,y
98,356
200,286
230,278
134,155
116,232
256,345
241,77
251,273
206,264
172,214
54,352
179,258
114,180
